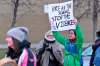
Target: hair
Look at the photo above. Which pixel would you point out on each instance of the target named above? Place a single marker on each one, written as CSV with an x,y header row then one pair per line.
x,y
73,31
16,51
98,33
7,62
73,40
18,47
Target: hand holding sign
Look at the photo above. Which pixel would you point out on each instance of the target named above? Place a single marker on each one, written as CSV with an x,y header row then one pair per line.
x,y
74,21
61,16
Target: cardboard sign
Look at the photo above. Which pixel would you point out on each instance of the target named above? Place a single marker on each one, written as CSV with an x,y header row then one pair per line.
x,y
61,16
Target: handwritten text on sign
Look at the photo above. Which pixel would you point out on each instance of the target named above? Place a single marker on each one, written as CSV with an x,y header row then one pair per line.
x,y
61,16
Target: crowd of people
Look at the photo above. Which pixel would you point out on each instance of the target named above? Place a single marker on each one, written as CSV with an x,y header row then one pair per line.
x,y
56,49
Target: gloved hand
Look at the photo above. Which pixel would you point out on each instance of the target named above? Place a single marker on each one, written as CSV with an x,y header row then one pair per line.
x,y
49,49
45,45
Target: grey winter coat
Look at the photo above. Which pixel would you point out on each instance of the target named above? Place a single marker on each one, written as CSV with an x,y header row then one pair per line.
x,y
51,55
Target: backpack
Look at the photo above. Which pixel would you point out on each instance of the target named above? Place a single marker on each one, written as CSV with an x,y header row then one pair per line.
x,y
97,57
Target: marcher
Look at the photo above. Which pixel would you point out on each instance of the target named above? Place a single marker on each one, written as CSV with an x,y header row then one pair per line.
x,y
73,45
19,47
50,53
7,62
95,58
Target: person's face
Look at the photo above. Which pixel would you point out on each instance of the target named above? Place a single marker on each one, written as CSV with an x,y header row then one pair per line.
x,y
10,42
50,36
71,34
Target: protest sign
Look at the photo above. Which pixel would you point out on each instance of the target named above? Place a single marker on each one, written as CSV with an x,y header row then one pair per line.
x,y
61,16
45,8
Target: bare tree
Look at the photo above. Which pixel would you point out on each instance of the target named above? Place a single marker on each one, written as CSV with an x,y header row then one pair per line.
x,y
95,17
16,4
89,8
81,8
18,8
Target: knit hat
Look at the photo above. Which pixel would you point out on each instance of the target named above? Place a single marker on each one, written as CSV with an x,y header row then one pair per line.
x,y
25,30
19,33
49,33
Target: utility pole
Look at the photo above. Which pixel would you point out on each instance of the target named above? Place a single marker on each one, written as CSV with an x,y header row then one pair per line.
x,y
95,17
15,10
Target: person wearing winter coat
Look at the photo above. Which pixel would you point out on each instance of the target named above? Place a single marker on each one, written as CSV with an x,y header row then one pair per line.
x,y
50,53
95,58
73,45
19,47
